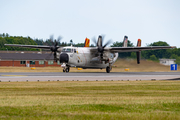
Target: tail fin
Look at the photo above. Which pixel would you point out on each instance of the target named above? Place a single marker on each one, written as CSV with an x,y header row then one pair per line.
x,y
139,43
125,42
139,52
86,43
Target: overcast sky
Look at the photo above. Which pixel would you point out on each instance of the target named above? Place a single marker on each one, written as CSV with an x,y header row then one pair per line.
x,y
150,20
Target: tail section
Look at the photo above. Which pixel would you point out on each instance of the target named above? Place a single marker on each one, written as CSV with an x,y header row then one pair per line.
x,y
125,42
86,43
139,43
139,52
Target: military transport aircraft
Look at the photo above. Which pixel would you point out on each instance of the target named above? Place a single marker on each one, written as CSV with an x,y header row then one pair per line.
x,y
99,57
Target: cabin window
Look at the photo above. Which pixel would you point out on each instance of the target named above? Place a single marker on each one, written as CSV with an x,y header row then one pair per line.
x,y
32,62
64,50
50,62
163,61
74,50
41,62
22,62
68,50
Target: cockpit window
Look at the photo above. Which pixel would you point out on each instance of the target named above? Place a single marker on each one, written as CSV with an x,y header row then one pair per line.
x,y
67,50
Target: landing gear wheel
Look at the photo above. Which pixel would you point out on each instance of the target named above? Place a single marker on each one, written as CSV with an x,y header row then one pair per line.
x,y
67,69
64,70
108,69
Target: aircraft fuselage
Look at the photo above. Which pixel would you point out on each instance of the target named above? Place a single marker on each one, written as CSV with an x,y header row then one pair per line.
x,y
84,58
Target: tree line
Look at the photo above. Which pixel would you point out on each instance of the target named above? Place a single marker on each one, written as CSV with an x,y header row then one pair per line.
x,y
154,55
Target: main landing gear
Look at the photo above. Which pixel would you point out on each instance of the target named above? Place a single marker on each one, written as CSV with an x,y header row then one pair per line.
x,y
108,68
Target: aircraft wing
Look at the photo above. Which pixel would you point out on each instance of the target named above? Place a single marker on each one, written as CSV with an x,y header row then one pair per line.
x,y
29,46
136,49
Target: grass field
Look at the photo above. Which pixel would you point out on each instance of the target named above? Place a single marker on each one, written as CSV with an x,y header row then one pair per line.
x,y
145,66
112,100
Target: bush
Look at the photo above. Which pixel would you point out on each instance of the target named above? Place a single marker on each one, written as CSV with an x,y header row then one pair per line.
x,y
153,58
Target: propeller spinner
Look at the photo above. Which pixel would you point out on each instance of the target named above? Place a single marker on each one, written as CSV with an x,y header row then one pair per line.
x,y
100,46
55,47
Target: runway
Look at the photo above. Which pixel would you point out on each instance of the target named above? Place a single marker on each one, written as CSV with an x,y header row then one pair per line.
x,y
79,76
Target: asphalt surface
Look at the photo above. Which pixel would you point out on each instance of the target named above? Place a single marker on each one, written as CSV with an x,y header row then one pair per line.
x,y
100,76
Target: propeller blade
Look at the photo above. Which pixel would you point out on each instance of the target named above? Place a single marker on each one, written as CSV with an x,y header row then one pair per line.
x,y
94,41
103,36
55,43
59,38
55,55
51,37
107,43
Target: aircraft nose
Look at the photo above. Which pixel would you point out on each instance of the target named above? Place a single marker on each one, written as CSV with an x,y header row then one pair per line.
x,y
64,58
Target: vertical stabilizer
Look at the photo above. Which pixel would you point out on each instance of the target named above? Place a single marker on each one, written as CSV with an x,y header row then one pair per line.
x,y
139,43
125,42
86,43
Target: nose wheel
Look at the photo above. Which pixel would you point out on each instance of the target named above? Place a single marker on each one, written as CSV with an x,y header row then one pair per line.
x,y
66,69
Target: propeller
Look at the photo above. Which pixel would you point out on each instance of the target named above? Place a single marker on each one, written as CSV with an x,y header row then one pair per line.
x,y
54,46
99,44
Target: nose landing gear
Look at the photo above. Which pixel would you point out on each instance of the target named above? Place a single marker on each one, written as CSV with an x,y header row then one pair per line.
x,y
65,67
108,68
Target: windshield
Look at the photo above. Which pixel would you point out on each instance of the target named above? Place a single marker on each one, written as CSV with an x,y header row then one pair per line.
x,y
67,50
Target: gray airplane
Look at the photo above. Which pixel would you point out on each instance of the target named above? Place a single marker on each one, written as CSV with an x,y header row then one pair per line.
x,y
99,57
